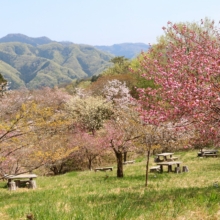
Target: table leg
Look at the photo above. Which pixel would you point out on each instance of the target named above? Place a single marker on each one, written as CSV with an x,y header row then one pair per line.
x,y
17,183
169,168
11,185
161,168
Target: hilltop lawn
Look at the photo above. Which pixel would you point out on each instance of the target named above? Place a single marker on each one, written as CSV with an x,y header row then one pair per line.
x,y
98,195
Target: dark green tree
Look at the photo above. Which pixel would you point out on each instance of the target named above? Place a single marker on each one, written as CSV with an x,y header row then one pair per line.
x,y
3,85
2,80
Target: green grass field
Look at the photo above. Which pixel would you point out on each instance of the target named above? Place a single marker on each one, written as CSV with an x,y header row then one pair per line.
x,y
92,195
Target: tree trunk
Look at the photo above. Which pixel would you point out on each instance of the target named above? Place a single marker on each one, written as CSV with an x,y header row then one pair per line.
x,y
119,157
147,165
90,164
61,168
54,170
125,156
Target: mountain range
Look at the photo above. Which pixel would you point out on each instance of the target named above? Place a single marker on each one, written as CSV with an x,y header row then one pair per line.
x,y
128,50
37,62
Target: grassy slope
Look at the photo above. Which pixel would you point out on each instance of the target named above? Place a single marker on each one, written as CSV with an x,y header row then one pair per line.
x,y
90,195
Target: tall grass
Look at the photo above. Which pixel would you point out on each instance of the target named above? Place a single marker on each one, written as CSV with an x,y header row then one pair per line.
x,y
98,195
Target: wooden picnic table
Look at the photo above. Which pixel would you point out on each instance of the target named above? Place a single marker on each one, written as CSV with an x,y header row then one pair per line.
x,y
169,164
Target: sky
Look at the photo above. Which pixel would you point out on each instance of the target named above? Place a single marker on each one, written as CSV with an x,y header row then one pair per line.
x,y
101,22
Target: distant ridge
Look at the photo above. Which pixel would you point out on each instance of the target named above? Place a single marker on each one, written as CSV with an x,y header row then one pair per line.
x,y
25,39
128,50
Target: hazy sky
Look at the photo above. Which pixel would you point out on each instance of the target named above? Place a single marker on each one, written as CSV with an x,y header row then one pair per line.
x,y
100,22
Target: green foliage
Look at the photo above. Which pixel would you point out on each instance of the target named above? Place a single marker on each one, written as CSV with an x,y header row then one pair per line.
x,y
3,85
94,78
120,66
2,80
121,70
119,60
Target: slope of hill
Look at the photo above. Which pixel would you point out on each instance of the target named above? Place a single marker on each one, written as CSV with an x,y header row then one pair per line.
x,y
37,62
128,50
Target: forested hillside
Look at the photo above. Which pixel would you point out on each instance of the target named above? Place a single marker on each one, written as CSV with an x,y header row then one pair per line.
x,y
48,64
37,62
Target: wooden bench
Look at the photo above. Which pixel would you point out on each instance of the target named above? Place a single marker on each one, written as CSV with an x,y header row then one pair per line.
x,y
104,169
129,162
154,169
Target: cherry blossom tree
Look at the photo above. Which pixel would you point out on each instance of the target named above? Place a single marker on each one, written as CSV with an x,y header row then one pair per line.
x,y
121,133
89,146
89,112
184,68
122,128
117,92
185,71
